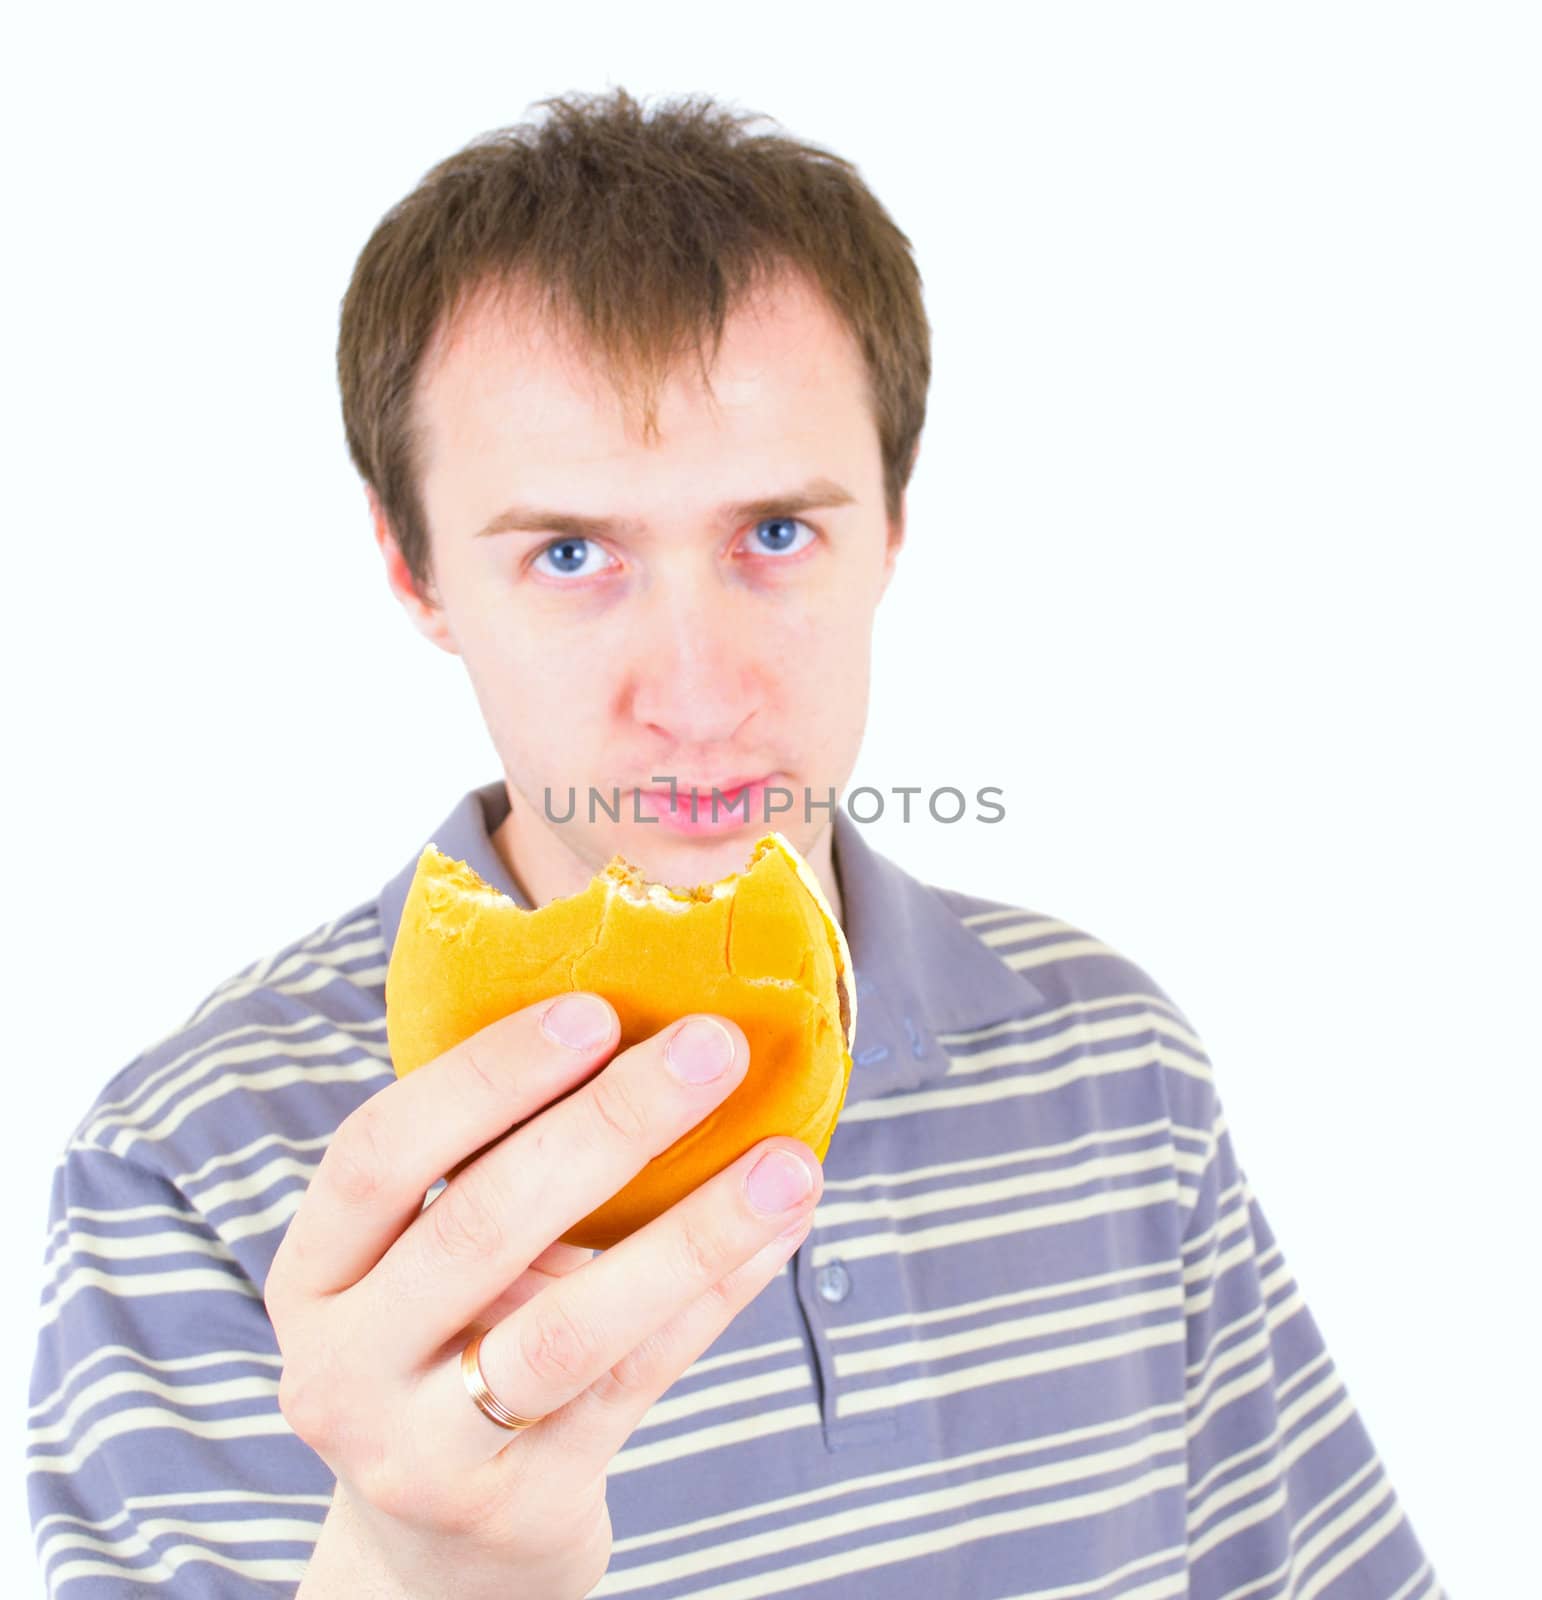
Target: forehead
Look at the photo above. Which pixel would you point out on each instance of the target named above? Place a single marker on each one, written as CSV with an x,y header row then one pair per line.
x,y
784,354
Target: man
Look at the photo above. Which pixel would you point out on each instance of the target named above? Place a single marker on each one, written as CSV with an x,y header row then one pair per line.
x,y
1025,1333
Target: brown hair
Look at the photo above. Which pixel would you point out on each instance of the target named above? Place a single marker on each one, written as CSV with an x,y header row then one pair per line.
x,y
642,234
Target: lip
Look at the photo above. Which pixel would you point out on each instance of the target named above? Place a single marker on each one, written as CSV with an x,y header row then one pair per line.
x,y
734,814
705,789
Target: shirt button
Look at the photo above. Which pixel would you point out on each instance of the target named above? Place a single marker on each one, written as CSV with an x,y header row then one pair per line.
x,y
834,1282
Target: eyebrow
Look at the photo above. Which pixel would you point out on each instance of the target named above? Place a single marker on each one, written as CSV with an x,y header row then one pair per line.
x,y
817,493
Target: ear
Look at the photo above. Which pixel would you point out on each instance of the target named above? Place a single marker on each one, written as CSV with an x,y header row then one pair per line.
x,y
426,613
895,544
897,527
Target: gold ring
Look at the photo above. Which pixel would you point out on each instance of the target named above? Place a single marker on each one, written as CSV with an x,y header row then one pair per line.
x,y
476,1385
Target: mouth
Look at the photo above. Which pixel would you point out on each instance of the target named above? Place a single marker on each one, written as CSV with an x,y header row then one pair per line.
x,y
703,791
738,803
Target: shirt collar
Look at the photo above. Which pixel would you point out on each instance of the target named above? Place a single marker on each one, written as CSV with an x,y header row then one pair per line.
x,y
919,970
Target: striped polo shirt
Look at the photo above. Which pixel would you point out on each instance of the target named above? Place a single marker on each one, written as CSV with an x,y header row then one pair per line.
x,y
1040,1342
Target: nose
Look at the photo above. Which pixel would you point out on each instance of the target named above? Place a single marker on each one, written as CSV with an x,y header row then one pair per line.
x,y
699,674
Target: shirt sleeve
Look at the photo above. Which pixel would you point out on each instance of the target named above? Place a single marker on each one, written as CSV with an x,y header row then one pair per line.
x,y
157,1457
1286,1494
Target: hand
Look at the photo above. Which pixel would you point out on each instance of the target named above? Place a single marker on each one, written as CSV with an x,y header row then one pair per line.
x,y
373,1296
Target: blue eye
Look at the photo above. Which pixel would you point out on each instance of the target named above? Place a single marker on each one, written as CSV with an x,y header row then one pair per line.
x,y
774,536
568,555
781,540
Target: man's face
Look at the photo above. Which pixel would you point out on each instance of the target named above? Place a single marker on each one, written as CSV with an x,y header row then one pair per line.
x,y
682,640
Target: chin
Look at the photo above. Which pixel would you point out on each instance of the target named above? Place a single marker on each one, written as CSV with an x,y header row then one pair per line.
x,y
685,863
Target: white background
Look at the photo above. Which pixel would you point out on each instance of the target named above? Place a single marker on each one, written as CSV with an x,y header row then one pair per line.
x,y
1222,563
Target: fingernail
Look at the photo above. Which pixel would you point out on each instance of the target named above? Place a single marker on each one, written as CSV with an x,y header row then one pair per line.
x,y
699,1050
577,1020
778,1181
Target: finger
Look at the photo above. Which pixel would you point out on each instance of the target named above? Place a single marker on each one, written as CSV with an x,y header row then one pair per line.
x,y
594,1425
386,1154
492,1219
554,1262
579,1328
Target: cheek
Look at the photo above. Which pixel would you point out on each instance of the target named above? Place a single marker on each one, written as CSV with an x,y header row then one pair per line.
x,y
549,702
831,632
819,661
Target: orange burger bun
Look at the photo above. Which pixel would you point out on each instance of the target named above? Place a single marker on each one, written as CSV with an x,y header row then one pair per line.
x,y
760,947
